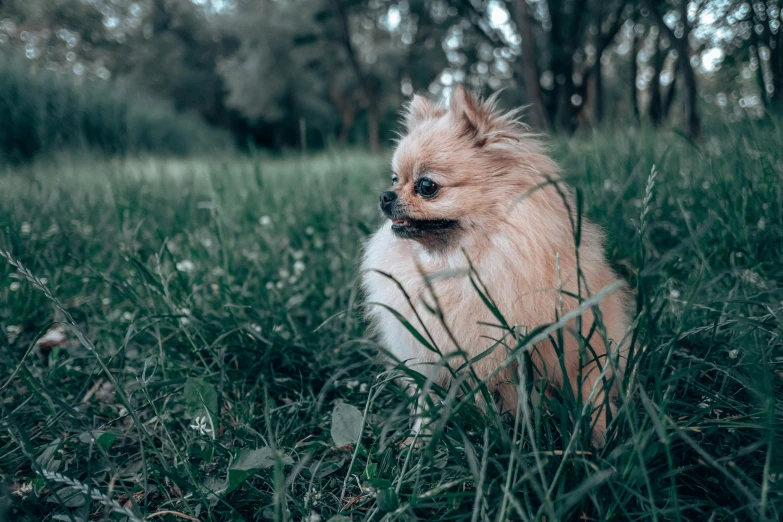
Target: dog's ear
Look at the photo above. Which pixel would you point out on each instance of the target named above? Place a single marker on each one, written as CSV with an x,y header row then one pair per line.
x,y
478,120
416,111
471,116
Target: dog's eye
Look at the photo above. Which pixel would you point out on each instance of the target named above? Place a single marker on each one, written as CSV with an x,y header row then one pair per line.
x,y
395,180
426,188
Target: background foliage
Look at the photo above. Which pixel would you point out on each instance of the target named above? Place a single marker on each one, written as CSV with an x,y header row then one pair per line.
x,y
307,73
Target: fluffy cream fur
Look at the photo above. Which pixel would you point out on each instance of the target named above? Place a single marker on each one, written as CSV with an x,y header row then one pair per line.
x,y
485,162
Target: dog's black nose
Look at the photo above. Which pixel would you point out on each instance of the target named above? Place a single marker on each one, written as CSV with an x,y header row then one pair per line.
x,y
387,198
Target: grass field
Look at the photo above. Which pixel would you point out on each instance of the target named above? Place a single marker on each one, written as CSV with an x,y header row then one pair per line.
x,y
183,340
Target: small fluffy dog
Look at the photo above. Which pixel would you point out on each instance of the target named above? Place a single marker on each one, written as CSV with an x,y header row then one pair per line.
x,y
471,185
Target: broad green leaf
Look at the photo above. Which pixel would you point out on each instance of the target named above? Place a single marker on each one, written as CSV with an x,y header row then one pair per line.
x,y
47,460
70,497
370,470
103,438
346,424
322,469
387,499
248,462
199,449
384,494
200,399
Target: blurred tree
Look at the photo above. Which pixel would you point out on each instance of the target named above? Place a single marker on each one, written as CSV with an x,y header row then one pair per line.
x,y
172,51
676,22
278,74
276,71
562,45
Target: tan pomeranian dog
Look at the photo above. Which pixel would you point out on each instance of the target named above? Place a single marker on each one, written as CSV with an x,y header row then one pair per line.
x,y
471,185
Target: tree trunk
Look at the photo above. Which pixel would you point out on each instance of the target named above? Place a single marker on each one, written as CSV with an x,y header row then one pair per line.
x,y
690,87
347,116
754,53
691,91
346,106
656,105
373,108
667,104
598,91
634,75
776,64
374,123
538,117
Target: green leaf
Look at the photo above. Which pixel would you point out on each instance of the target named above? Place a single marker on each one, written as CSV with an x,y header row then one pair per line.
x,y
347,423
248,462
339,518
200,399
47,459
387,499
322,469
70,497
103,438
199,449
371,470
379,483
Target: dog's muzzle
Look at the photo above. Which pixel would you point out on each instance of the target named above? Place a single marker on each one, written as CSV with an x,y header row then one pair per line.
x,y
388,202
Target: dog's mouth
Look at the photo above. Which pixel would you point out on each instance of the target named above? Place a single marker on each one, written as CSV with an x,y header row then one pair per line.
x,y
411,228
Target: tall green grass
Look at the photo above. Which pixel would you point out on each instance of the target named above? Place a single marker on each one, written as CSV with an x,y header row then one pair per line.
x,y
227,291
43,113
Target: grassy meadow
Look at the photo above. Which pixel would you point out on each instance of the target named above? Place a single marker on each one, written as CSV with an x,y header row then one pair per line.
x,y
183,340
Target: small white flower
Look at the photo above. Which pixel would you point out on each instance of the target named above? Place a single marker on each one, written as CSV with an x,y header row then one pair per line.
x,y
299,267
733,354
675,294
703,405
24,490
351,384
186,266
127,316
14,329
313,517
298,254
15,286
123,411
309,231
313,496
25,228
762,224
265,221
270,285
44,281
106,301
284,274
280,285
217,271
292,280
363,388
255,327
200,425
